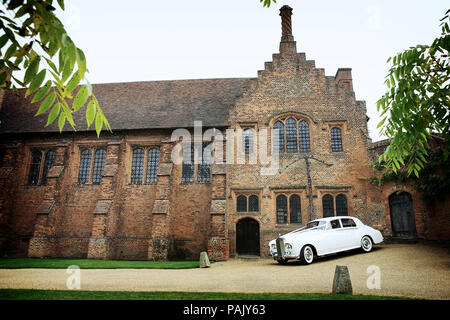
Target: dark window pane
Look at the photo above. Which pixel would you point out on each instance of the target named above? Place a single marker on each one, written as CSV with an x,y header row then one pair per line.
x,y
2,157
335,224
248,141
327,206
348,223
291,135
204,166
341,205
253,203
295,209
137,166
281,209
241,204
99,164
303,133
152,165
187,171
48,163
35,167
85,166
279,127
336,140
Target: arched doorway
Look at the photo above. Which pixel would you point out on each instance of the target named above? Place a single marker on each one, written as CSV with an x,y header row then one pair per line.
x,y
402,215
247,237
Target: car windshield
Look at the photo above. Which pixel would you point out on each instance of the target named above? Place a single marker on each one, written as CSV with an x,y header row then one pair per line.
x,y
320,225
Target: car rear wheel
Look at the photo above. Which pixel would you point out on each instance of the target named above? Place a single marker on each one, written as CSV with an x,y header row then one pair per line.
x,y
307,254
366,244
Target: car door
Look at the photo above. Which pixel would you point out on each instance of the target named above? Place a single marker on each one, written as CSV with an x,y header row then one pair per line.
x,y
350,235
333,238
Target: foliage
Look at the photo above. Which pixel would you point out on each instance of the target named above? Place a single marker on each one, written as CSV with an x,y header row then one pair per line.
x,y
267,2
434,180
417,102
35,41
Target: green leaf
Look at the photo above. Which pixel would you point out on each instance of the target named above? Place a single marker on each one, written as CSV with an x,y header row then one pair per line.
x,y
81,60
61,4
42,92
73,83
3,40
53,114
90,112
61,121
36,82
98,123
47,103
31,70
80,99
3,76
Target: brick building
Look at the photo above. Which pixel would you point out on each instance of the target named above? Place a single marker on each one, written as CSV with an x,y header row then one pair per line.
x,y
121,196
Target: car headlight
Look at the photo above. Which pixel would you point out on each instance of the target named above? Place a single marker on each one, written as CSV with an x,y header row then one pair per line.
x,y
288,246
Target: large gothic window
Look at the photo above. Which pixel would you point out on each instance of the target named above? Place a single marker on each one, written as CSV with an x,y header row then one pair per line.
x,y
327,206
99,164
336,140
85,166
35,167
341,205
137,166
241,203
279,127
303,134
152,165
295,209
281,204
291,135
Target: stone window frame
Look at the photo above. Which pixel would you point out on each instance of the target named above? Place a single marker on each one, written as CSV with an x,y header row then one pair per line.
x,y
341,125
247,194
197,167
288,194
93,150
44,151
299,118
145,163
334,193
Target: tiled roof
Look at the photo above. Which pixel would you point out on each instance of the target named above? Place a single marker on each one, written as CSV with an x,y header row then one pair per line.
x,y
137,105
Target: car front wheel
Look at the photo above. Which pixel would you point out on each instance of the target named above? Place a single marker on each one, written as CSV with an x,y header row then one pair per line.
x,y
282,261
307,254
366,244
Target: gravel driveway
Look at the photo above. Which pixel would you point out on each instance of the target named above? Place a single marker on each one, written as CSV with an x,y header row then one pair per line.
x,y
413,270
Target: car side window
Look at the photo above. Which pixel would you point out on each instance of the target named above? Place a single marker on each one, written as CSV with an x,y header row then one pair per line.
x,y
335,224
348,223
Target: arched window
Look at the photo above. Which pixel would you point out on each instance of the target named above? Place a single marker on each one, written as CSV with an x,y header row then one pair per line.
x,y
295,209
253,203
279,127
137,166
187,169
282,209
85,166
336,140
48,163
241,204
248,140
99,164
303,134
291,135
327,206
341,205
204,166
152,165
35,167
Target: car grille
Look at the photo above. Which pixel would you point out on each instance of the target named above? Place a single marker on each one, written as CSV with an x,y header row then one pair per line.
x,y
280,247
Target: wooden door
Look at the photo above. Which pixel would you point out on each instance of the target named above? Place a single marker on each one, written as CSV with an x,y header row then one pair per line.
x,y
247,237
402,215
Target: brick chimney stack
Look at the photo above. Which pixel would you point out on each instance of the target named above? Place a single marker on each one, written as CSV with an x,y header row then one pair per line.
x,y
344,78
288,46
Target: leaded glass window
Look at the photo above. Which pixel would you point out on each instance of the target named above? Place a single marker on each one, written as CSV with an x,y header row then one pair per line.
x,y
253,203
204,166
48,163
152,165
187,171
281,203
341,205
303,133
248,140
99,164
291,135
137,166
295,209
35,167
85,166
279,127
336,140
241,204
327,206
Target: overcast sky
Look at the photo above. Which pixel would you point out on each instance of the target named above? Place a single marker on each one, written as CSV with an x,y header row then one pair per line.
x,y
168,40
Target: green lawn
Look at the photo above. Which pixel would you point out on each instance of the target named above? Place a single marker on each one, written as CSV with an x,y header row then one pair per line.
x,y
31,294
55,263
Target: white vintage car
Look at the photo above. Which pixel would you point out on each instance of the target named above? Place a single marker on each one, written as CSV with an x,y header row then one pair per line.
x,y
324,236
